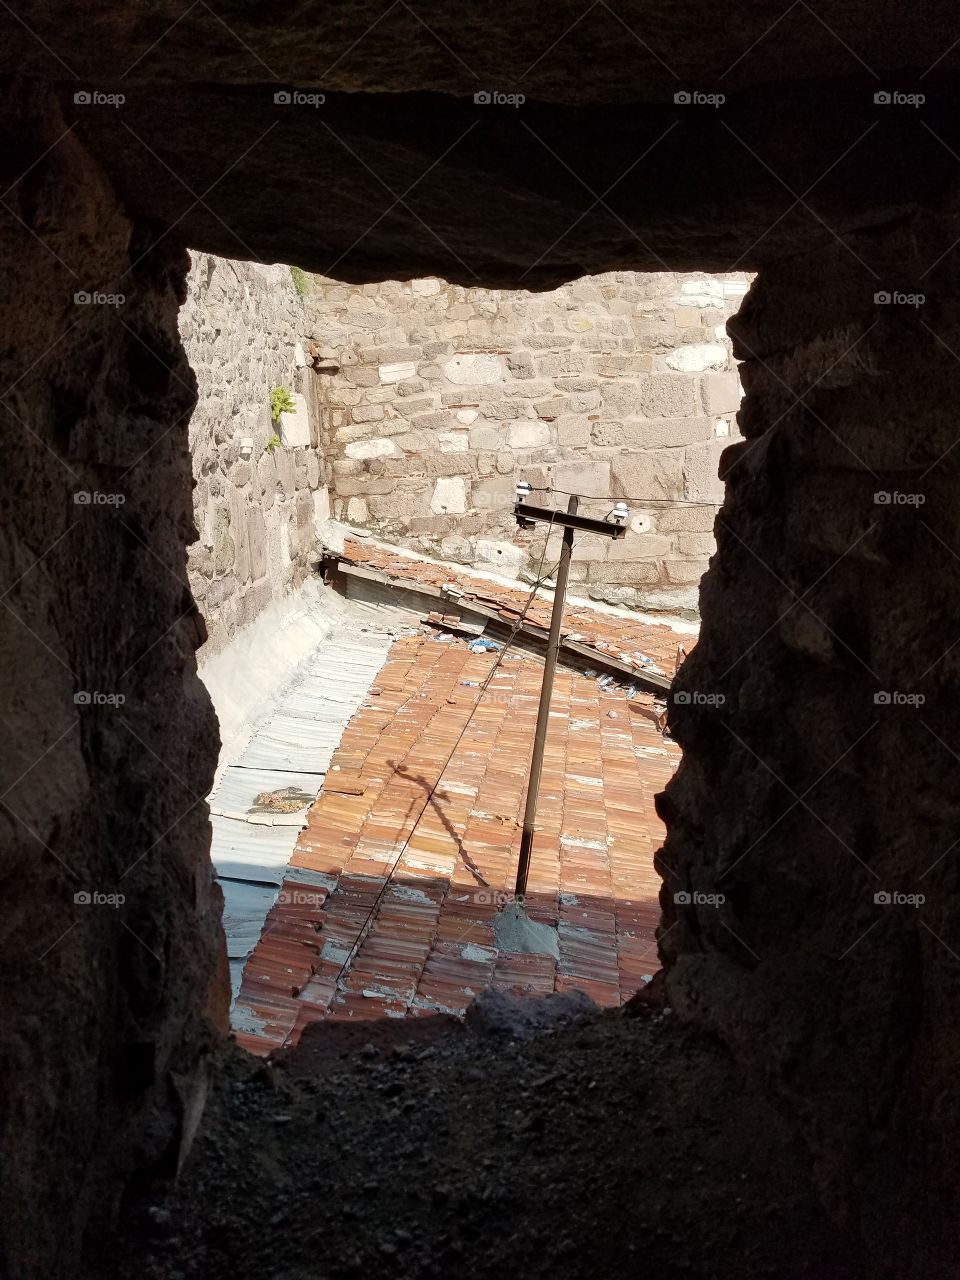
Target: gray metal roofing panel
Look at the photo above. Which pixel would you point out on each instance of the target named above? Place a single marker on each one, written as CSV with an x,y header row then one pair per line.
x,y
251,851
240,786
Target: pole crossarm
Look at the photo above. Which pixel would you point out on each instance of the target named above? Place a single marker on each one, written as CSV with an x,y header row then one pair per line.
x,y
528,515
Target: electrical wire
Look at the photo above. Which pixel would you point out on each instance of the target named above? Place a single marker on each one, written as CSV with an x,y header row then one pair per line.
x,y
374,906
640,502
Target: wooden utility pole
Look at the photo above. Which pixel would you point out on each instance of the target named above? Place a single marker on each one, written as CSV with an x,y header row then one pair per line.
x,y
527,517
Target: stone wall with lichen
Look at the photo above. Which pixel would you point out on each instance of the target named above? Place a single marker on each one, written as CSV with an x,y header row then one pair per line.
x,y
615,386
255,516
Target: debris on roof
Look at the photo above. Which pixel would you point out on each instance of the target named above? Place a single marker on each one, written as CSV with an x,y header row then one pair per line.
x,y
621,641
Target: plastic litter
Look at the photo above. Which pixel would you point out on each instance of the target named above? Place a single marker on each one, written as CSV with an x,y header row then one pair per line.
x,y
471,684
482,645
605,682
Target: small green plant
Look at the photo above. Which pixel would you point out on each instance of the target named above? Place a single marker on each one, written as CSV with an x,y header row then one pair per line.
x,y
272,443
299,278
281,401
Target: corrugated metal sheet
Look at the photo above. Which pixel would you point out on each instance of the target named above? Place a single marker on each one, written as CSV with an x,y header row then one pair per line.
x,y
252,844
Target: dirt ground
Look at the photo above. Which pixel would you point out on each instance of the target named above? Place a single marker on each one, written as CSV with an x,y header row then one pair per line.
x,y
608,1146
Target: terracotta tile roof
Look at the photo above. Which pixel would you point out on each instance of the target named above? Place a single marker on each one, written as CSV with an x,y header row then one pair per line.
x,y
627,637
388,903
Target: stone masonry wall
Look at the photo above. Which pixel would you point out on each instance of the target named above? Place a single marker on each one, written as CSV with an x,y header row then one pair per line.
x,y
818,716
620,385
114,970
256,518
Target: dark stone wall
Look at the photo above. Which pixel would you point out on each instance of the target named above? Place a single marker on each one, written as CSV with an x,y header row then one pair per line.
x,y
820,721
108,1005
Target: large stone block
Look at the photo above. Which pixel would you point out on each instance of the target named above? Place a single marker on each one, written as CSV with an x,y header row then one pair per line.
x,y
638,476
502,556
626,572
621,399
686,519
495,493
667,395
376,448
400,505
295,424
666,433
397,372
520,364
286,465
453,441
257,542
449,464
476,368
485,437
449,495
696,544
721,392
685,572
698,357
367,413
389,354
591,479
700,480
529,435
573,432
640,546
365,485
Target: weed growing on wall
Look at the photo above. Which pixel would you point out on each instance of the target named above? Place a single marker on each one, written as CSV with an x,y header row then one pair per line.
x,y
281,401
